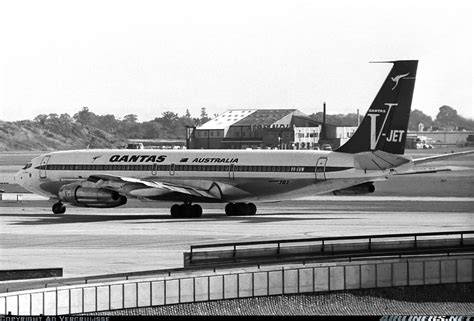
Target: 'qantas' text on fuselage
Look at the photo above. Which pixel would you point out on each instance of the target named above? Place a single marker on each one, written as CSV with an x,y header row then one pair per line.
x,y
137,158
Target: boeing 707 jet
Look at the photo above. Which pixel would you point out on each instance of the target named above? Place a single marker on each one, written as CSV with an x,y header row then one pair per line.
x,y
107,178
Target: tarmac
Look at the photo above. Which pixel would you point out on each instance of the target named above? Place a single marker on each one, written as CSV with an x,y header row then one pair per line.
x,y
89,241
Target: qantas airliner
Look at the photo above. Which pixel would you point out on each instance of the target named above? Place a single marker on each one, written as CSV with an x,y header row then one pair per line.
x,y
107,178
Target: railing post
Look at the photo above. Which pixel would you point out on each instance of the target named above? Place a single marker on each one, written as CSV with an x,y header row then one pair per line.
x,y
283,280
151,293
70,301
123,295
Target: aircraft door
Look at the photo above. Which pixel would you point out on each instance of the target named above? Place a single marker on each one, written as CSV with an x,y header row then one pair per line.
x,y
154,169
44,163
231,171
172,169
320,171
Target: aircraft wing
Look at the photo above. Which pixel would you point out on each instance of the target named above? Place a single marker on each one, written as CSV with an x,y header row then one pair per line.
x,y
440,157
148,188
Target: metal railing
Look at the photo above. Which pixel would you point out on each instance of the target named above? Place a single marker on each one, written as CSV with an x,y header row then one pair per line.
x,y
324,242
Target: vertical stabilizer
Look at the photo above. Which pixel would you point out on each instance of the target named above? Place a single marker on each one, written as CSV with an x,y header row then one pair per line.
x,y
384,127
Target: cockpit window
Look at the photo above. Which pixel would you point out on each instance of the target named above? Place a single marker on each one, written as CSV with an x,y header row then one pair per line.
x,y
27,166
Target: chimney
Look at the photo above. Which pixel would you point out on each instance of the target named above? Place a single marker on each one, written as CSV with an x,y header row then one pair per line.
x,y
322,135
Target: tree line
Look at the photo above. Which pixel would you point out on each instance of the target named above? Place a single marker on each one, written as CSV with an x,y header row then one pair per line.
x,y
170,125
446,119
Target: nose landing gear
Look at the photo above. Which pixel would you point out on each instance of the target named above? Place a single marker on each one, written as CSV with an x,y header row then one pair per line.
x,y
59,208
240,209
186,210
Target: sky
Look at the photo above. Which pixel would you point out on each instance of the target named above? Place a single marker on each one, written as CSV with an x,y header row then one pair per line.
x,y
147,57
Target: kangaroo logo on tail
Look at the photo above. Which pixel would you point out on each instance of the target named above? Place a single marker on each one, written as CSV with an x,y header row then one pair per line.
x,y
396,79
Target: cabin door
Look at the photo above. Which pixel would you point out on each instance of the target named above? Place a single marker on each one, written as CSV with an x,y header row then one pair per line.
x,y
320,171
42,169
172,169
231,171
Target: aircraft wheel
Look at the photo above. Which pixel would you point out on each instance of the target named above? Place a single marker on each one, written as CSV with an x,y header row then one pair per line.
x,y
197,210
252,209
186,211
242,209
59,208
175,210
230,209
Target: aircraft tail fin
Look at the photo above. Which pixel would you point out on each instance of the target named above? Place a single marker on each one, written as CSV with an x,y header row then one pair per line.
x,y
384,127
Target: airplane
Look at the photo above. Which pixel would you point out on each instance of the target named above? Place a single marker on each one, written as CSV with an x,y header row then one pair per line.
x,y
104,178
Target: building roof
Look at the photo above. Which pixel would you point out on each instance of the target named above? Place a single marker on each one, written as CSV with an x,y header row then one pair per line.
x,y
227,119
264,117
248,117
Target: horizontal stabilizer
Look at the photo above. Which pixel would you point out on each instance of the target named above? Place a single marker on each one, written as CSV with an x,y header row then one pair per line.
x,y
440,157
378,160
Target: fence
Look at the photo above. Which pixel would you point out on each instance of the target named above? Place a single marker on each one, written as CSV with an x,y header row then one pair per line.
x,y
243,284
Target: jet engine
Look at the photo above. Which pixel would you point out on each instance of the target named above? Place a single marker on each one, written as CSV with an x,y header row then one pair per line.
x,y
364,188
78,195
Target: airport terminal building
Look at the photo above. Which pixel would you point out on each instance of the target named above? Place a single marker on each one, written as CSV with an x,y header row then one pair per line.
x,y
265,129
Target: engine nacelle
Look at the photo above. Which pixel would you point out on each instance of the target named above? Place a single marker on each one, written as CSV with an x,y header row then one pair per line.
x,y
364,188
78,195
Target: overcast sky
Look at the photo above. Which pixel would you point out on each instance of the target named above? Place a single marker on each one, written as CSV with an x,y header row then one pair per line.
x,y
147,57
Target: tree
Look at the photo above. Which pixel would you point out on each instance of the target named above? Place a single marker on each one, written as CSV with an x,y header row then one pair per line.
x,y
41,119
65,118
84,117
204,117
417,117
448,118
168,118
130,118
108,123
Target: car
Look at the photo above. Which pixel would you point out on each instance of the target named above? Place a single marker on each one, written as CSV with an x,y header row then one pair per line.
x,y
326,147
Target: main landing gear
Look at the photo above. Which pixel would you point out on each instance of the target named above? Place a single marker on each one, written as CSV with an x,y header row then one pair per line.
x,y
186,210
59,208
240,209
